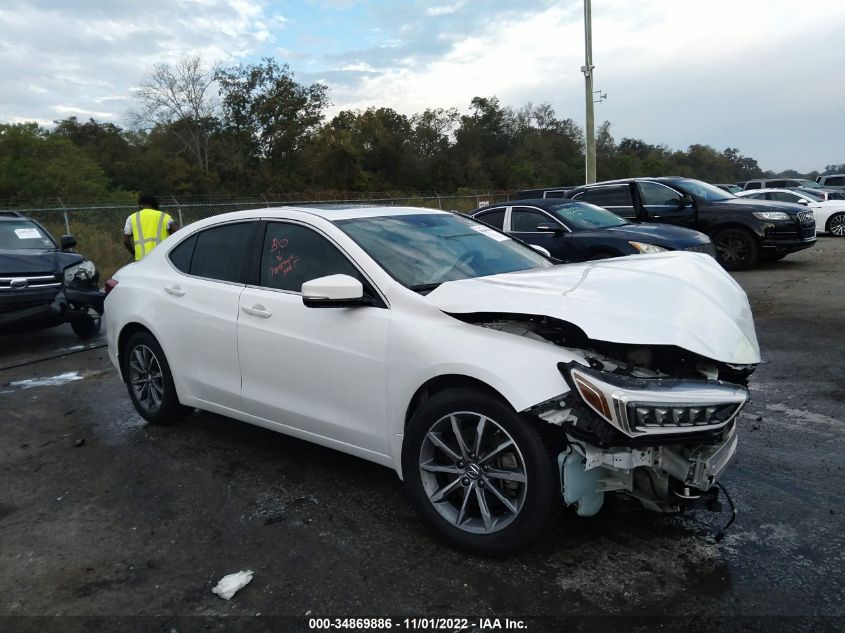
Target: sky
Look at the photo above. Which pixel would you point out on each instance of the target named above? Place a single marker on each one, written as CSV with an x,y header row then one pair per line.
x,y
764,76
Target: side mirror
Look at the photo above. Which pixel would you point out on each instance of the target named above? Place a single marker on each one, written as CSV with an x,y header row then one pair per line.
x,y
334,291
804,202
685,201
550,228
540,249
68,242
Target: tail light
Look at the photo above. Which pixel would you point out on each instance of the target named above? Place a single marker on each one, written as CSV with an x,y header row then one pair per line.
x,y
111,284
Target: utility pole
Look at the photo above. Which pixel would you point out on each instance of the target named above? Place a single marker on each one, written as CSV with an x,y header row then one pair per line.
x,y
587,69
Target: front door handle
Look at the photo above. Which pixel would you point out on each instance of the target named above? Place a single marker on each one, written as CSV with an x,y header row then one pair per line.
x,y
257,310
176,291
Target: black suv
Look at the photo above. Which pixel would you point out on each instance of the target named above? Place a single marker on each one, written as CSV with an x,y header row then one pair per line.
x,y
41,283
744,231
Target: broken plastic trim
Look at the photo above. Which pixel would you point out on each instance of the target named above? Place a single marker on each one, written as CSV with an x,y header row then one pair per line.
x,y
645,406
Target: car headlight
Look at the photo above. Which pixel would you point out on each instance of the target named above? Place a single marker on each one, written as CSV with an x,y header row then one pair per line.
x,y
647,248
81,272
771,215
637,406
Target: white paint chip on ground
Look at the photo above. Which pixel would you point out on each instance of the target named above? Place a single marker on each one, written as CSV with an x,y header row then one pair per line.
x,y
231,584
52,381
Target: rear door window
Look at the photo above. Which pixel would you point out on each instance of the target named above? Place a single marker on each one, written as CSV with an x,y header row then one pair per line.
x,y
222,252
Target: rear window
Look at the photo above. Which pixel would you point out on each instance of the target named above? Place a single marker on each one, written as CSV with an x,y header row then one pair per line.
x,y
835,181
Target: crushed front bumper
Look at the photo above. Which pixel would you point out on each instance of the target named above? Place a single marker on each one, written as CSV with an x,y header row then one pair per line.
x,y
661,477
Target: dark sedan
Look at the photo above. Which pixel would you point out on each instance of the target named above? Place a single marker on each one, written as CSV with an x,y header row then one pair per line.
x,y
577,231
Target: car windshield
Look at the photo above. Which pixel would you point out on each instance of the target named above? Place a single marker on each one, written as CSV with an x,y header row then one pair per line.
x,y
23,234
585,216
702,190
809,184
424,250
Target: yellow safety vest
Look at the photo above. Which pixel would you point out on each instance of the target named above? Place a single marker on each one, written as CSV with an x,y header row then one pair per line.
x,y
149,228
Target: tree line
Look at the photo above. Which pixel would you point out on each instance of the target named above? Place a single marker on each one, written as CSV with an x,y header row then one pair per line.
x,y
204,130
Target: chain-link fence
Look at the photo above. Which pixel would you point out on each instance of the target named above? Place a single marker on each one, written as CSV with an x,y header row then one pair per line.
x,y
98,228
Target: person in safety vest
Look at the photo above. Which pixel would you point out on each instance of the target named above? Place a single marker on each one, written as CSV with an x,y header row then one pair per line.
x,y
146,228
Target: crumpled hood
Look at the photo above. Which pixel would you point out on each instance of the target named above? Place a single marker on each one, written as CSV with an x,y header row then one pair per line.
x,y
674,298
23,262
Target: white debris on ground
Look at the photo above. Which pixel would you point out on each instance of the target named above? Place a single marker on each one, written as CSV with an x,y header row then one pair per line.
x,y
231,584
52,381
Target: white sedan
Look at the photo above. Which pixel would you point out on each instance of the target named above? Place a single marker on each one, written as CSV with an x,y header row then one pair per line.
x,y
829,214
493,381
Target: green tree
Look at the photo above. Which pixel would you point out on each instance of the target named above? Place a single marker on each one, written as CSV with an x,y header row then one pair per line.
x,y
35,164
269,115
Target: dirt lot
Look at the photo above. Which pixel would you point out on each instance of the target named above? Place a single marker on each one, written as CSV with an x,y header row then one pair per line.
x,y
141,520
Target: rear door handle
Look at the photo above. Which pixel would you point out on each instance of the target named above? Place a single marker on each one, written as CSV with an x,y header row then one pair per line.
x,y
257,310
176,291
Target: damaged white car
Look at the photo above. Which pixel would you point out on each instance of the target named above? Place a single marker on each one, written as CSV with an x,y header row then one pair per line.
x,y
497,384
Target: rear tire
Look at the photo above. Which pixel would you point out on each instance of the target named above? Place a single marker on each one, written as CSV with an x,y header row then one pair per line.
x,y
736,249
836,224
480,476
149,380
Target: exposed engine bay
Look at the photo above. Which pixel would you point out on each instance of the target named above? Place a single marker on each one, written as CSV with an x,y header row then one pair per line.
x,y
656,423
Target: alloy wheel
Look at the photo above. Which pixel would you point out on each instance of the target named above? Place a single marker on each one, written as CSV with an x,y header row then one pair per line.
x,y
837,225
473,472
733,248
146,378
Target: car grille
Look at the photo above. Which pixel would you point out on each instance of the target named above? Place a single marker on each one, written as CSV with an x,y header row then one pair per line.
x,y
806,217
707,248
806,231
37,281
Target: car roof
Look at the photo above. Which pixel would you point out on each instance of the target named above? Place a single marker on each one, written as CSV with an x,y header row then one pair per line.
x,y
775,189
11,215
330,212
623,181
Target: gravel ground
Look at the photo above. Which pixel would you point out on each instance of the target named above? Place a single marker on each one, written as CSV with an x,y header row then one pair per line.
x,y
102,515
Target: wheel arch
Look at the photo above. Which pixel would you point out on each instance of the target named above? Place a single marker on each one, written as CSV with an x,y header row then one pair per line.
x,y
444,382
125,333
733,224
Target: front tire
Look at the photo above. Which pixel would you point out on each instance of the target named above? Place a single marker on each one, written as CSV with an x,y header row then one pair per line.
x,y
481,477
736,249
149,380
87,326
836,224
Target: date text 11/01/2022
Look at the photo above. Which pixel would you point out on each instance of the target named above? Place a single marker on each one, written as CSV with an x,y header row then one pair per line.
x,y
418,624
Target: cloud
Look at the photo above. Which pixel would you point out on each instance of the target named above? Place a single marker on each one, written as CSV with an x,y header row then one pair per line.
x,y
77,54
758,75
